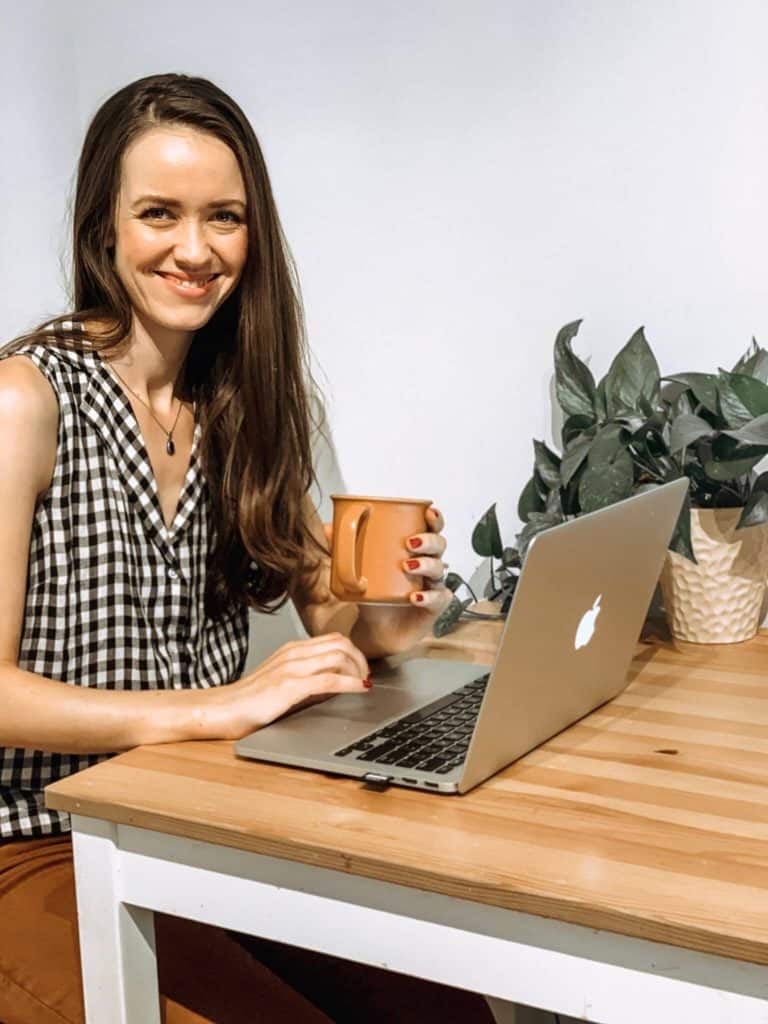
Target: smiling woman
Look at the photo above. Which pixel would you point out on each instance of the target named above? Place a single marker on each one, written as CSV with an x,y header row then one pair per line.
x,y
154,479
196,247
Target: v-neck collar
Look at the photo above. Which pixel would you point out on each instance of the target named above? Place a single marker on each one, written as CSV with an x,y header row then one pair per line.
x,y
106,407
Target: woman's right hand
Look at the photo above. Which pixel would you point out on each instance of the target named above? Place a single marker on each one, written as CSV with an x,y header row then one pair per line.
x,y
297,673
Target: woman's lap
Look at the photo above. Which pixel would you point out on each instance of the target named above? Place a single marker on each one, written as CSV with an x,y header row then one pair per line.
x,y
205,974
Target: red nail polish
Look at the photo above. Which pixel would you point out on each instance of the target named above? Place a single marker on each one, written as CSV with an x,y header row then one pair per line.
x,y
414,542
419,597
412,563
367,682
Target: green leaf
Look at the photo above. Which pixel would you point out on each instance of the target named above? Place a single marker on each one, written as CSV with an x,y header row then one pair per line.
x,y
686,429
671,390
510,558
453,581
744,361
755,432
752,393
451,615
553,506
547,464
574,383
633,377
684,405
755,511
652,439
574,426
572,460
759,366
732,407
612,439
536,525
723,470
703,386
601,409
681,541
606,483
761,483
540,487
529,501
754,362
486,539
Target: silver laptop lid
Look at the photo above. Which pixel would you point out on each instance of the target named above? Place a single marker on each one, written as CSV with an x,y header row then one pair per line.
x,y
573,625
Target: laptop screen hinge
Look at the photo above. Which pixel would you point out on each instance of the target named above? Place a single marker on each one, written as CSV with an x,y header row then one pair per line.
x,y
376,780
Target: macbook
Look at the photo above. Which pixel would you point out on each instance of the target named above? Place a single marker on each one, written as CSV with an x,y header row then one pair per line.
x,y
567,643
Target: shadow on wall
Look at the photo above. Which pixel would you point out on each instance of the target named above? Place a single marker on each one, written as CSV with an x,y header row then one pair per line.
x,y
268,632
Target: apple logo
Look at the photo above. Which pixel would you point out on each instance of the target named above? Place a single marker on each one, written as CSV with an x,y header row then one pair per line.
x,y
587,624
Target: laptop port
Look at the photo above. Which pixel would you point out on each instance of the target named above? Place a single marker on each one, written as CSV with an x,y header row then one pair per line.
x,y
432,785
413,782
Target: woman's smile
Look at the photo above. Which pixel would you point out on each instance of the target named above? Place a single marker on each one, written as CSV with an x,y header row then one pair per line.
x,y
190,288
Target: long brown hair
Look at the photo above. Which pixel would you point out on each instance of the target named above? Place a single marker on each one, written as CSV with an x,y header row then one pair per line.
x,y
247,368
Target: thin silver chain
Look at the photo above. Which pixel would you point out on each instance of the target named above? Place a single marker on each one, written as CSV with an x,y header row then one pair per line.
x,y
169,445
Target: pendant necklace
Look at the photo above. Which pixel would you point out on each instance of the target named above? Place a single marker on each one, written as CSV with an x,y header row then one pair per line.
x,y
170,447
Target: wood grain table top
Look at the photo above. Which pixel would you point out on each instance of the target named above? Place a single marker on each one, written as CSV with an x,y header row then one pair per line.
x,y
649,817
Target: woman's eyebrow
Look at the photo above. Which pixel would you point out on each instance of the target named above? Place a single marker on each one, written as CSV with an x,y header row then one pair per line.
x,y
166,201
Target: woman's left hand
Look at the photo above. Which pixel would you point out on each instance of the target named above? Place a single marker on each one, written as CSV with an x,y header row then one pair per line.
x,y
389,629
427,550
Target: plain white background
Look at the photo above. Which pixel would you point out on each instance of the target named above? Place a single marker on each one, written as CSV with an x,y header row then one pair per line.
x,y
457,180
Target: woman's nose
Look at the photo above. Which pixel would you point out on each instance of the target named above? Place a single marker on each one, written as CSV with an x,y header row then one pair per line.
x,y
191,242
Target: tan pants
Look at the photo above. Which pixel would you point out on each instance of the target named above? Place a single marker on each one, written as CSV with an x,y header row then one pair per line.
x,y
206,975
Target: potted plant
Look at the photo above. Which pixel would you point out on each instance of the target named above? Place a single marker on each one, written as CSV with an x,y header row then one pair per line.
x,y
634,430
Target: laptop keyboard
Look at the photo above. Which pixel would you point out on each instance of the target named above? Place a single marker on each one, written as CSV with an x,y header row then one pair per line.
x,y
433,739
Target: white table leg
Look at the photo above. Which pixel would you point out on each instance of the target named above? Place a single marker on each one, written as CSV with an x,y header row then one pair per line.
x,y
117,941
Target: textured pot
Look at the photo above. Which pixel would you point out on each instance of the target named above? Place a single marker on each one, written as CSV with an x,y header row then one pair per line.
x,y
720,600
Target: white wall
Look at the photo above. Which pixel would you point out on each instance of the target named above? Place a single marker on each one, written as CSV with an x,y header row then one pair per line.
x,y
40,139
457,181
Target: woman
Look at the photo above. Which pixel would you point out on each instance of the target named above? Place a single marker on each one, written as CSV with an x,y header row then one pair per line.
x,y
154,479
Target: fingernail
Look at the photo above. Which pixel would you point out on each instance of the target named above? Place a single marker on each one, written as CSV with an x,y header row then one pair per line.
x,y
367,682
414,542
434,512
412,563
418,597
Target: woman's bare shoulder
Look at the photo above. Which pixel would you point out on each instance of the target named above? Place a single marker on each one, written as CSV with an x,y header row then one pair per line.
x,y
25,391
29,416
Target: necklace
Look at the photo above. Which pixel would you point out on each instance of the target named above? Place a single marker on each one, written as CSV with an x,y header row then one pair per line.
x,y
170,447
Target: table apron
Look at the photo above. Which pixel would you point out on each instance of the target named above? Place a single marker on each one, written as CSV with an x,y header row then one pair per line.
x,y
569,969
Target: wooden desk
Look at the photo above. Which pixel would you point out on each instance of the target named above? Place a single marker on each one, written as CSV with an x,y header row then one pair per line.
x,y
618,873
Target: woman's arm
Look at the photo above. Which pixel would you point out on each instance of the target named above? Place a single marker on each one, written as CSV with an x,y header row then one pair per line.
x,y
45,714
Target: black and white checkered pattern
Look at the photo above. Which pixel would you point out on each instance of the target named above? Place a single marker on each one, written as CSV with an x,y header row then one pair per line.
x,y
114,599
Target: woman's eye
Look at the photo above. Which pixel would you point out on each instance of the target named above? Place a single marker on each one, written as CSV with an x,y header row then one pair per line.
x,y
153,211
232,214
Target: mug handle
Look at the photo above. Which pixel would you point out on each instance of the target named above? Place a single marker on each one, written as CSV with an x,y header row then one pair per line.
x,y
352,518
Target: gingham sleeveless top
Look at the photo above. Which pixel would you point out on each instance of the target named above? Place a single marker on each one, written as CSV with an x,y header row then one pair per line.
x,y
114,599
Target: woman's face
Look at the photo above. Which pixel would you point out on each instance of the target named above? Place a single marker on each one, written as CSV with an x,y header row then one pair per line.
x,y
181,216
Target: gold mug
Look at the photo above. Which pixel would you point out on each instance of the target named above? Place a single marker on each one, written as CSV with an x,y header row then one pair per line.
x,y
369,547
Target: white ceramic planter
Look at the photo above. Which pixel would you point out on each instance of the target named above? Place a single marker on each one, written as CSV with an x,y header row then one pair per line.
x,y
720,600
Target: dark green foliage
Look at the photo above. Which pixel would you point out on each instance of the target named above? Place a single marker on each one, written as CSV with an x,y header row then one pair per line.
x,y
627,433
486,539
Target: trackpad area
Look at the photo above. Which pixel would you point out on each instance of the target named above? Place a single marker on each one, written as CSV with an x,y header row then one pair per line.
x,y
344,717
395,692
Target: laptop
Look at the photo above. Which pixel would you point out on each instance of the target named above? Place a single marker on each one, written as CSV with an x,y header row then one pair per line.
x,y
568,640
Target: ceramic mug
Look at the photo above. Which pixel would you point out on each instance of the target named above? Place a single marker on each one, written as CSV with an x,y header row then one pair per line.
x,y
369,547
